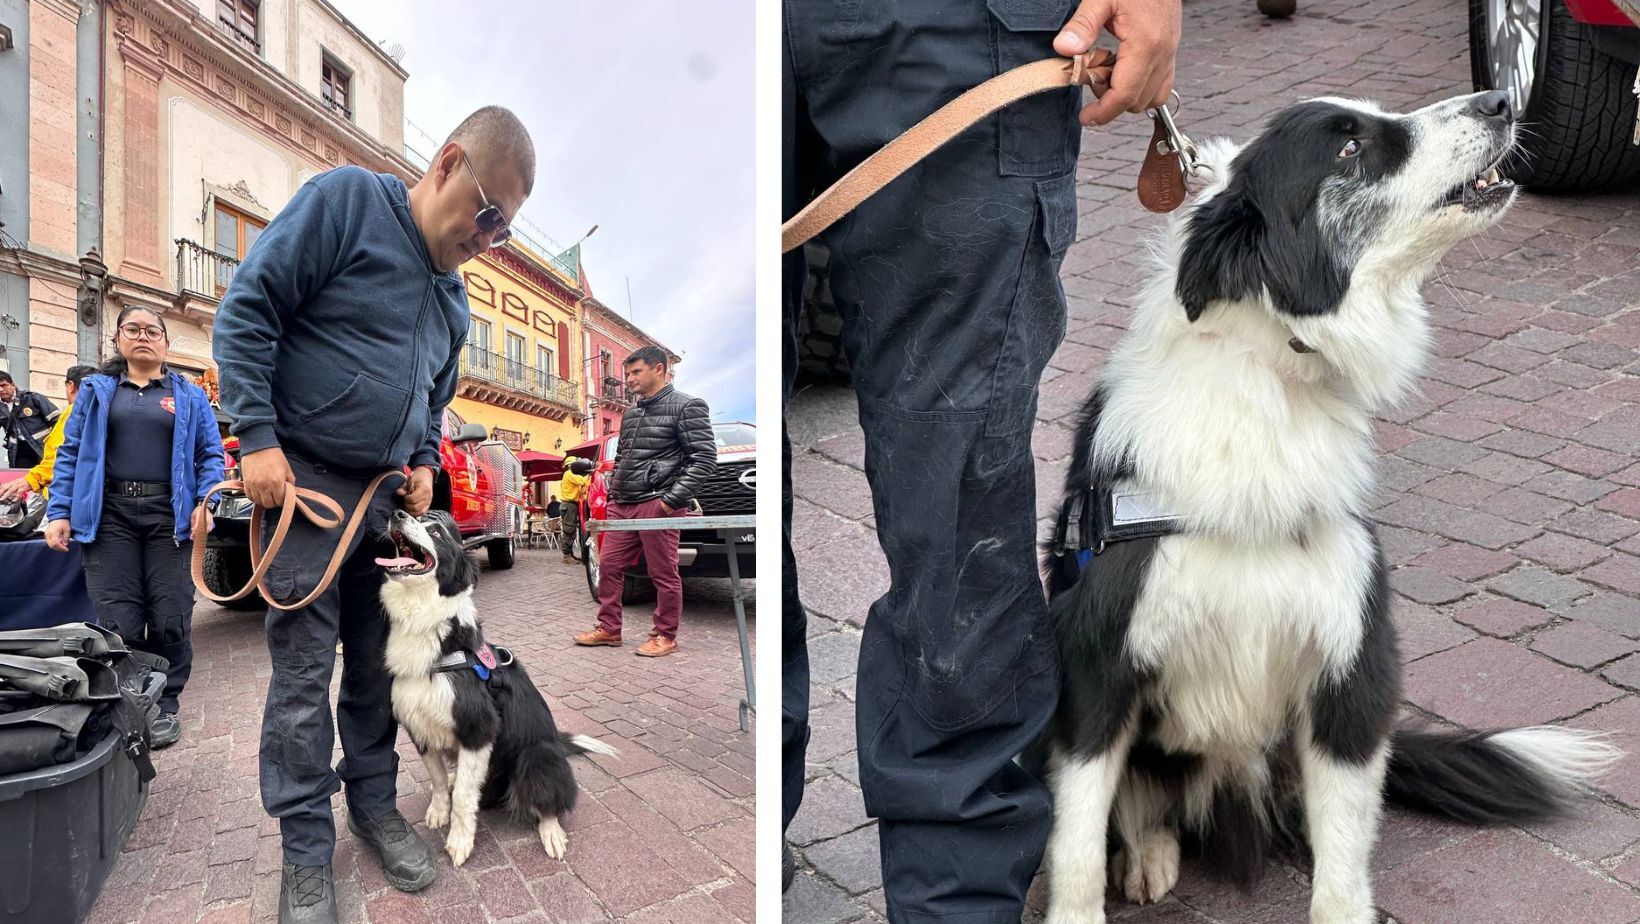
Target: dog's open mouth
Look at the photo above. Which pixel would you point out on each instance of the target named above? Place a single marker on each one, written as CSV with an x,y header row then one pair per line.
x,y
411,560
1487,191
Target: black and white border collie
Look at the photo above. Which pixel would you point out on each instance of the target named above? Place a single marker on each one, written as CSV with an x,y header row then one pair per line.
x,y
1237,679
486,742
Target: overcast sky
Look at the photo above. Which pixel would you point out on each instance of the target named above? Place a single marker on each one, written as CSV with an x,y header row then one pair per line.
x,y
642,117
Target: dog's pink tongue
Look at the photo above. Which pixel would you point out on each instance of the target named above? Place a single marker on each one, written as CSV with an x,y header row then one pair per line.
x,y
397,562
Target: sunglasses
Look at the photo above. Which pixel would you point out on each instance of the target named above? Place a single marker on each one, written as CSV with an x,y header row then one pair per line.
x,y
489,218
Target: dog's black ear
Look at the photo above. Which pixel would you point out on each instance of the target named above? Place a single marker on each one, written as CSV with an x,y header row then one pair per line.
x,y
457,571
1221,252
1302,266
1238,244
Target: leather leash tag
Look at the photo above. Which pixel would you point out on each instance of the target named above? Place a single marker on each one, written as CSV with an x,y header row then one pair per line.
x,y
1161,179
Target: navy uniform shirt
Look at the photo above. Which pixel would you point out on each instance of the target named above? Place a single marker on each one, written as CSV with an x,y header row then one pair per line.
x,y
140,422
26,424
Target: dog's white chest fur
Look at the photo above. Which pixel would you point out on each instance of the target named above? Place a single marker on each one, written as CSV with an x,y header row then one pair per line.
x,y
423,701
1237,635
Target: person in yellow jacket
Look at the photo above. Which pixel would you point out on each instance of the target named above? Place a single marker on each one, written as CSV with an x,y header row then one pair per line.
x,y
572,490
38,478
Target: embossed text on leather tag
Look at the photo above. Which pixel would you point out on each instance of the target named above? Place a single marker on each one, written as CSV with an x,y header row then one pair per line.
x,y
1161,179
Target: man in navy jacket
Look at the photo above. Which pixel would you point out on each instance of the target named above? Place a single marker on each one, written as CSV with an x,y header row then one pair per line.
x,y
338,343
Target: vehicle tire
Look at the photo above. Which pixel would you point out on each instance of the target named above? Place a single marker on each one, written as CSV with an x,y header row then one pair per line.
x,y
502,553
227,570
1576,101
589,560
820,355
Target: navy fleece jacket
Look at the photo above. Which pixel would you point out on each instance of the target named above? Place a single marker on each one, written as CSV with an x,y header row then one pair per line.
x,y
337,339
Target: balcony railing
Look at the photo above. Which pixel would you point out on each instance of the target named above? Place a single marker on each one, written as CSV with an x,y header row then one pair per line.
x,y
614,390
233,31
201,271
499,370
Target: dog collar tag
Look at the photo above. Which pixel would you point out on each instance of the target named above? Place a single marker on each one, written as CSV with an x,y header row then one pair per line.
x,y
486,656
1161,179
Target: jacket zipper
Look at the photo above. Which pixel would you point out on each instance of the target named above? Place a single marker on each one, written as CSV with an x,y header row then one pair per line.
x,y
415,364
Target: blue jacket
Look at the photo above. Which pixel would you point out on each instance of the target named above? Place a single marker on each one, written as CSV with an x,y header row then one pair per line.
x,y
77,480
337,337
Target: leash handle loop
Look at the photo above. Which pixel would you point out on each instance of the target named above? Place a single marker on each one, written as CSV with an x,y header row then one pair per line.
x,y
320,510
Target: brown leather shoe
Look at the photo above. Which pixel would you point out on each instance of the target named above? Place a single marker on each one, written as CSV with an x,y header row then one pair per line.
x,y
599,637
657,647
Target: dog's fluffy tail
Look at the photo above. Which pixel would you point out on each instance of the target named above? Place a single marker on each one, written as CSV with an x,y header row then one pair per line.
x,y
584,744
1516,776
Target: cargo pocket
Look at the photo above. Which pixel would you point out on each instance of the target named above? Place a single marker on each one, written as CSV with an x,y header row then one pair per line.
x,y
1036,136
1036,319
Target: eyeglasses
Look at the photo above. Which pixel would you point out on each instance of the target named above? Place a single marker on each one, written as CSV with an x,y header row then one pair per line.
x,y
134,332
489,218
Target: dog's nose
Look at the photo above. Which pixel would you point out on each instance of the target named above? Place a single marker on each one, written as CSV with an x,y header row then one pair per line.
x,y
400,515
1490,105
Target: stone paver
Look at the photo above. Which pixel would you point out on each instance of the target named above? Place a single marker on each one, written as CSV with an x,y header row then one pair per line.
x,y
1508,497
664,834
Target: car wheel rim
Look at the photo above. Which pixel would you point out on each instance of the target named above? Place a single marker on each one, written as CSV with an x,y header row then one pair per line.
x,y
1512,36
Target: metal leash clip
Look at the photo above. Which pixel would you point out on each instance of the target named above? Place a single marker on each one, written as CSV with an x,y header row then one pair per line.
x,y
1177,142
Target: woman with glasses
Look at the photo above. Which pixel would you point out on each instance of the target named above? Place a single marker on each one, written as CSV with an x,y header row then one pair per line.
x,y
140,450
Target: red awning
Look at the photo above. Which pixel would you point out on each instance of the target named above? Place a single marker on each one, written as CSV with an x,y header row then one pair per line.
x,y
541,466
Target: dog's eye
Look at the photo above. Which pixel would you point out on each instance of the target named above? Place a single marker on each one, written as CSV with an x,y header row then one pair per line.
x,y
1351,148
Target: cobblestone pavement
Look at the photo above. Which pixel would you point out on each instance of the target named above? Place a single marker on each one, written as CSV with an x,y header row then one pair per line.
x,y
664,834
1509,508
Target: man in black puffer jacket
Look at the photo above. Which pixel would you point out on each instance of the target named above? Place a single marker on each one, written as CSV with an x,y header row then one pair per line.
x,y
665,452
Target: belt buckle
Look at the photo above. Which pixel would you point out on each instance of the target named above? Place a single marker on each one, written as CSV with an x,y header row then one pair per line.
x,y
130,489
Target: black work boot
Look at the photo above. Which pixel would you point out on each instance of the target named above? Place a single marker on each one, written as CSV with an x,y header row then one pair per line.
x,y
407,862
164,730
307,896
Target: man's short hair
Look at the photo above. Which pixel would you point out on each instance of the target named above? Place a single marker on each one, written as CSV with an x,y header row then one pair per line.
x,y
494,134
6,376
653,355
77,374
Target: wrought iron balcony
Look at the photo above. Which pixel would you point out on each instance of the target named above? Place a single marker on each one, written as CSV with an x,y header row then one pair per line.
x,y
496,369
614,391
202,272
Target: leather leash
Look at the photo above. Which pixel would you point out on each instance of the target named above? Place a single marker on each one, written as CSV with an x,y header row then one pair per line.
x,y
1161,180
297,500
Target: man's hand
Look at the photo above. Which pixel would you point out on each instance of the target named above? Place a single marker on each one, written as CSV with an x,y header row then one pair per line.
x,y
266,472
57,535
1148,35
12,490
201,523
416,495
667,508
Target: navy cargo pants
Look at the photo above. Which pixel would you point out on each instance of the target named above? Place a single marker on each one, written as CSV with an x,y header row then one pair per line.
x,y
947,282
298,736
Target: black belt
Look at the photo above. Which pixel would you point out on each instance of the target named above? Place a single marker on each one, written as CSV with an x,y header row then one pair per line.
x,y
137,488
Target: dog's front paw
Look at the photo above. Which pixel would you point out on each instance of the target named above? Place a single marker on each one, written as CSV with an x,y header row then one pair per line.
x,y
1341,910
438,813
459,845
1152,870
553,839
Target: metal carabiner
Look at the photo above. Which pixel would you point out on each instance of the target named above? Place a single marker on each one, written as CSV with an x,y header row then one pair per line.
x,y
1177,142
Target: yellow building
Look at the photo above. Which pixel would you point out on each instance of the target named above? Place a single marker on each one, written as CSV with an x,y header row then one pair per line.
x,y
521,363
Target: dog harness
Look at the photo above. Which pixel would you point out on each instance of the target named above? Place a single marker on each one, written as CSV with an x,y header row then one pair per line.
x,y
1106,513
482,662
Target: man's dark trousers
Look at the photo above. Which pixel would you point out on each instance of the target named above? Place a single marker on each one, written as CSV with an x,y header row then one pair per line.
x,y
297,732
137,576
947,282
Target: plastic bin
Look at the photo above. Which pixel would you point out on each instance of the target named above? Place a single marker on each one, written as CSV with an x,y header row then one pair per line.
x,y
61,830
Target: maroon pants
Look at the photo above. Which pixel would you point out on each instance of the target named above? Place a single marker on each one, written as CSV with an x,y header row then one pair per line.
x,y
660,553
